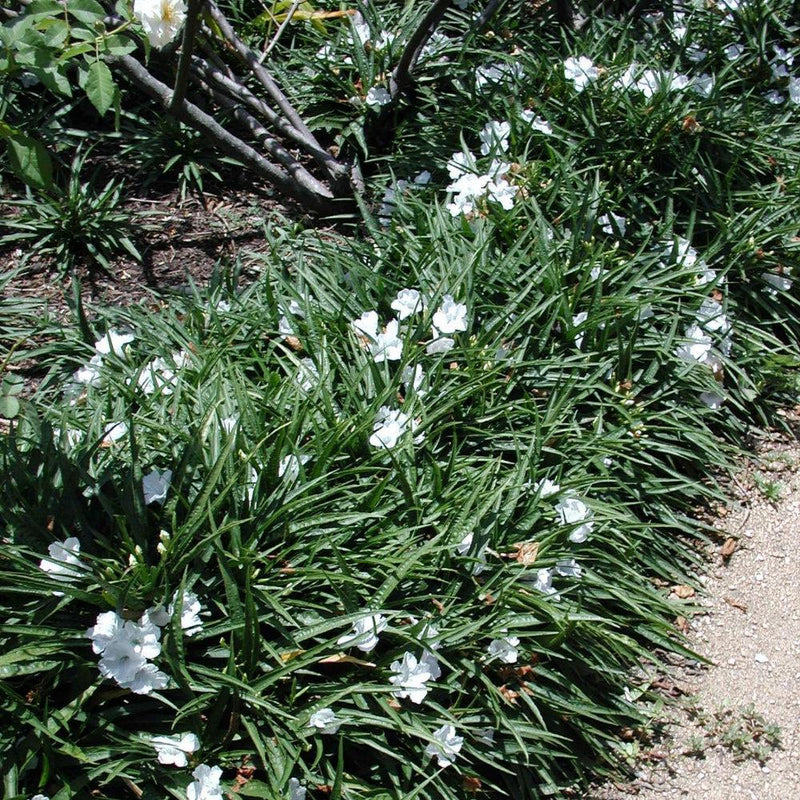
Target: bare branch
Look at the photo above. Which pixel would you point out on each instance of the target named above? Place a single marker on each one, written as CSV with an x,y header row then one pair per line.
x,y
272,145
225,141
228,83
190,28
488,12
261,73
279,32
401,76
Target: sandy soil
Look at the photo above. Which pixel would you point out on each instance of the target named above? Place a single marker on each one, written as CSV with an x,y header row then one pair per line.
x,y
751,633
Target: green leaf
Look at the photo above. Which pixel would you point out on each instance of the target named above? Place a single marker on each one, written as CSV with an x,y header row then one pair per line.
x,y
100,86
117,45
30,161
86,11
9,408
12,384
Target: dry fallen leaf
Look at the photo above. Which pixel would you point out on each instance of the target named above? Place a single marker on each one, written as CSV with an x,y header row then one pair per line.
x,y
470,784
735,604
683,591
509,694
729,548
526,552
342,658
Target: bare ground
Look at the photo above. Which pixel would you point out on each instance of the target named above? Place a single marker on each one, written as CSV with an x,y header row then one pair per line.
x,y
720,742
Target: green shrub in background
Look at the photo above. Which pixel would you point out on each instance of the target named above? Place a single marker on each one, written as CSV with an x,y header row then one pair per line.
x,y
392,521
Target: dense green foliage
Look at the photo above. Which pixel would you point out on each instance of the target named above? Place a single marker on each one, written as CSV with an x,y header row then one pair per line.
x,y
614,329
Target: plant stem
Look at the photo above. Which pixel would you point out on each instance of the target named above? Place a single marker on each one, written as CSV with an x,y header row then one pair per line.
x,y
190,28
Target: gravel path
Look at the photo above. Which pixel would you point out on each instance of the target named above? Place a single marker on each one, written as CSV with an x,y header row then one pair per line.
x,y
751,633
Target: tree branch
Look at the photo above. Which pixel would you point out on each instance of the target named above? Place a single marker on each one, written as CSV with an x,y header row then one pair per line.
x,y
225,141
279,32
227,82
272,145
486,15
260,72
401,76
190,28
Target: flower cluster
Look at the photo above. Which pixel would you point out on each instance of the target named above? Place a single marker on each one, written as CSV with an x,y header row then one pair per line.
x,y
113,342
473,187
126,648
161,20
386,343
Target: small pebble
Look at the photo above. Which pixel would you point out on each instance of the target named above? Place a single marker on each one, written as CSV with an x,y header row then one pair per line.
x,y
761,658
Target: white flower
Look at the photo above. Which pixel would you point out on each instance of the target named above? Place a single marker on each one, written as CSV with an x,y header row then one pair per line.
x,y
499,72
469,190
377,97
502,192
390,424
544,583
173,749
451,316
703,84
408,302
190,612
695,54
126,648
64,564
546,488
494,136
571,511
439,344
734,51
289,466
296,791
463,548
780,66
413,379
794,90
325,721
577,321
158,374
40,797
411,677
388,346
536,122
774,96
581,71
429,662
568,568
161,19
711,399
446,745
365,631
155,486
698,345
114,431
113,342
505,649
205,785
780,282
460,164
367,324
612,224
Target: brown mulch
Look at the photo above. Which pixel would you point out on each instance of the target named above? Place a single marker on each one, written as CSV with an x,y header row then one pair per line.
x,y
180,243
